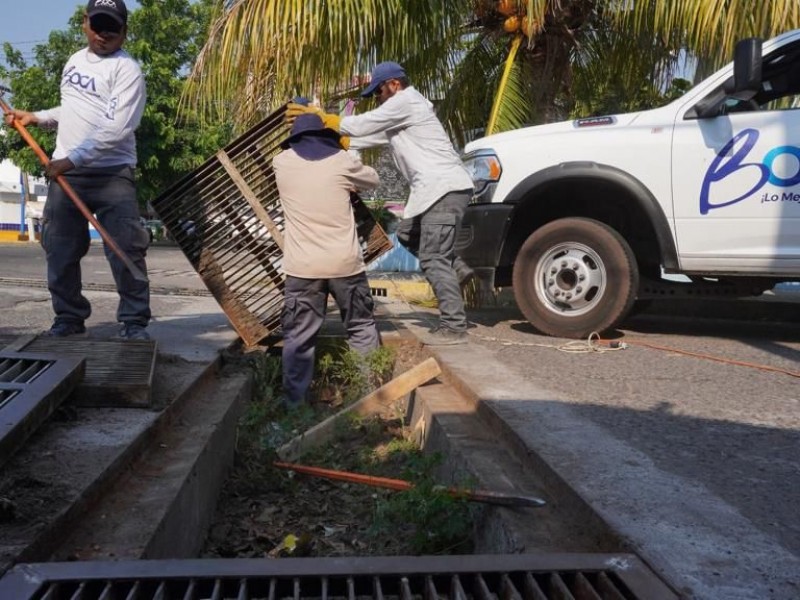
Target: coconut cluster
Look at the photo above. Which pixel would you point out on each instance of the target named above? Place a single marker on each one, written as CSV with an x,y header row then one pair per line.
x,y
516,18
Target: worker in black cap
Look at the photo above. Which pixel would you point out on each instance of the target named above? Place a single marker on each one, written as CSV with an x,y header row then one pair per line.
x,y
102,101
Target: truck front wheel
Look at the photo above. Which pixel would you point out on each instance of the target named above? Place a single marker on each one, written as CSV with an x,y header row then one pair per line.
x,y
575,276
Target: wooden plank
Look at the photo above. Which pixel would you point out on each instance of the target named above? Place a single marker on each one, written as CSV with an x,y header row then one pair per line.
x,y
372,403
251,198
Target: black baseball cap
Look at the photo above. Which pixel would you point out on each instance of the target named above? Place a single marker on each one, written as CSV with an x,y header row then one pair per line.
x,y
115,9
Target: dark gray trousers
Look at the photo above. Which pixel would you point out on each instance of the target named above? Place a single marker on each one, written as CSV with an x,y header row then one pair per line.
x,y
431,237
304,307
110,194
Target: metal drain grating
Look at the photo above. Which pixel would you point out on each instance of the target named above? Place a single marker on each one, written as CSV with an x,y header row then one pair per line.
x,y
227,219
487,577
118,372
31,388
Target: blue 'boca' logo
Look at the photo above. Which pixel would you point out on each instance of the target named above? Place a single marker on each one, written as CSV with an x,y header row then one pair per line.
x,y
724,165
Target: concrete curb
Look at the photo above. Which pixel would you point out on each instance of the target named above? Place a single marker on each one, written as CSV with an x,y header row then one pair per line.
x,y
680,528
164,504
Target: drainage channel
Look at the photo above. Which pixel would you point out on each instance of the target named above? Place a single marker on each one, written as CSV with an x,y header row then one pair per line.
x,y
486,577
535,554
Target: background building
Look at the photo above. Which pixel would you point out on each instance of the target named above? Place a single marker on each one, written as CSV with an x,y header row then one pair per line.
x,y
14,219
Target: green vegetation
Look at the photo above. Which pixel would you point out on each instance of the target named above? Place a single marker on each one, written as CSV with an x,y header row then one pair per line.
x,y
341,377
267,511
438,522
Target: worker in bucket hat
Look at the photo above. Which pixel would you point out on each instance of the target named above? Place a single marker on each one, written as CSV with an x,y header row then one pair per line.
x,y
322,255
440,185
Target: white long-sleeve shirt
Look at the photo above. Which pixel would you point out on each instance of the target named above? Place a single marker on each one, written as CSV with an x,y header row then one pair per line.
x,y
420,146
102,100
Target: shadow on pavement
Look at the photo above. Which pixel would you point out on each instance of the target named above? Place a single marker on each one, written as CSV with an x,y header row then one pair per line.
x,y
752,468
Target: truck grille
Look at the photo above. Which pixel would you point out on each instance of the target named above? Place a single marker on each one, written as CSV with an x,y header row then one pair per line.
x,y
488,577
227,219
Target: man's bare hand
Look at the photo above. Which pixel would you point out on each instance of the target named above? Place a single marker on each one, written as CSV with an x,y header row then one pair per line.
x,y
23,117
58,167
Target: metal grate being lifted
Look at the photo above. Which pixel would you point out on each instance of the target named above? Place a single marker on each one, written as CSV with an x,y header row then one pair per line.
x,y
227,218
487,577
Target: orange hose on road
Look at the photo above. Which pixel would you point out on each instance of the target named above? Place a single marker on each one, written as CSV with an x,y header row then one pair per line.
x,y
730,361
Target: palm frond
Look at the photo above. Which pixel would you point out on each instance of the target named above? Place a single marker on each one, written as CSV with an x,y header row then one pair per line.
x,y
262,52
710,28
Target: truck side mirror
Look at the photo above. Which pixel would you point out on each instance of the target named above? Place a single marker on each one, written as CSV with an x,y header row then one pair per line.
x,y
746,70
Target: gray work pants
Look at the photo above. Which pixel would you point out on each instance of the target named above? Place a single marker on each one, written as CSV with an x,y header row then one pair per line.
x,y
431,237
304,307
110,194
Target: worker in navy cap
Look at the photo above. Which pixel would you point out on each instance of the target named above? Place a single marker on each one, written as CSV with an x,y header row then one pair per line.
x,y
102,99
440,185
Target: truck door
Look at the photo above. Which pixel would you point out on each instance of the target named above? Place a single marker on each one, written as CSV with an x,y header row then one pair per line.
x,y
736,176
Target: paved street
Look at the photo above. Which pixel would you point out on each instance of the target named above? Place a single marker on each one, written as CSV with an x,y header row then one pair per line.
x,y
166,265
734,428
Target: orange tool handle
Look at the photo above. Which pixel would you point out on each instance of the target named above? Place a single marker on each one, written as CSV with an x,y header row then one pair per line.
x,y
134,270
401,485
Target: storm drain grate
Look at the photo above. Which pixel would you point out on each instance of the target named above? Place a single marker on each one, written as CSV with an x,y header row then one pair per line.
x,y
487,577
31,388
118,372
227,219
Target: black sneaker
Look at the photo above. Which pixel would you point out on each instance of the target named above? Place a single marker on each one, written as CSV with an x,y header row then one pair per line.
x,y
442,336
134,331
63,329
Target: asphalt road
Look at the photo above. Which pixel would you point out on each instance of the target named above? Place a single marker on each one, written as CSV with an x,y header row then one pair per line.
x,y
166,266
713,405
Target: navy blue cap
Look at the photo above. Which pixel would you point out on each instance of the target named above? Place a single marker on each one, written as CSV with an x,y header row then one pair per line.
x,y
383,72
115,9
311,139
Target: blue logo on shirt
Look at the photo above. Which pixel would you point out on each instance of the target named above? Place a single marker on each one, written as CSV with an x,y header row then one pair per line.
x,y
724,165
85,82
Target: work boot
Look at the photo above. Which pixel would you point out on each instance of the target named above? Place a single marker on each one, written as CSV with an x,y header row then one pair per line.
x,y
134,331
62,329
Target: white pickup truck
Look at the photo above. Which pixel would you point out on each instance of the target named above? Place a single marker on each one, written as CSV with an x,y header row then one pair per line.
x,y
584,217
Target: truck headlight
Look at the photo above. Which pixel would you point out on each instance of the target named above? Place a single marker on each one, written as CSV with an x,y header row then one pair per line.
x,y
485,169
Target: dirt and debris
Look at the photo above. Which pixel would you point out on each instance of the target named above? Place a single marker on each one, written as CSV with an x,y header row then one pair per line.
x,y
268,512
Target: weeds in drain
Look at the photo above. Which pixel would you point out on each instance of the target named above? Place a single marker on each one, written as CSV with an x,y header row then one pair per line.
x,y
440,523
342,376
436,522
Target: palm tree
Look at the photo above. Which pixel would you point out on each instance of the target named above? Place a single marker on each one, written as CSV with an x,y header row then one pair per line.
x,y
492,65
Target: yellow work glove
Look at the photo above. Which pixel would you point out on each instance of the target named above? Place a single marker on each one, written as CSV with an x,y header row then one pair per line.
x,y
294,110
329,120
333,122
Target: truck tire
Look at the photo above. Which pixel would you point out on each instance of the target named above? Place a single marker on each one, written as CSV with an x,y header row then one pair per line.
x,y
575,276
